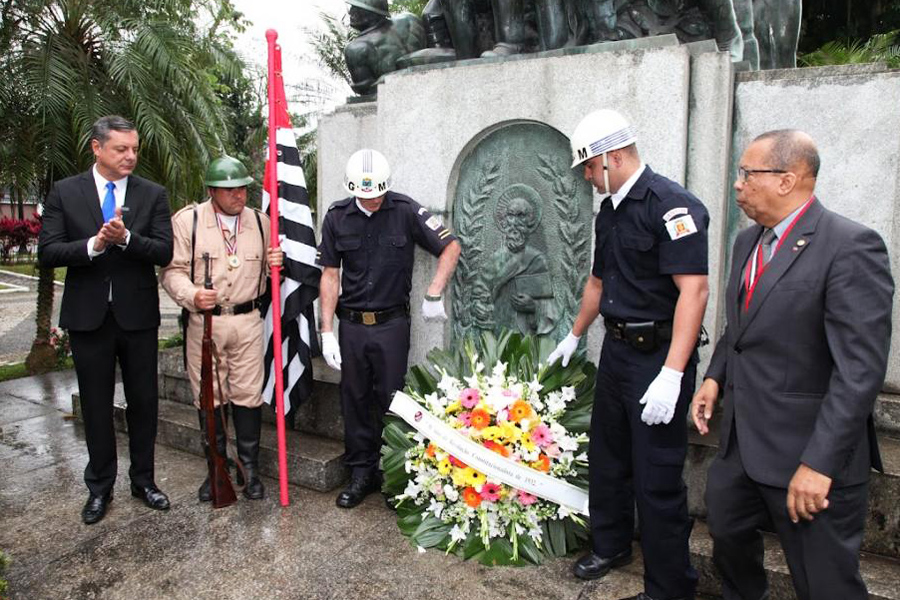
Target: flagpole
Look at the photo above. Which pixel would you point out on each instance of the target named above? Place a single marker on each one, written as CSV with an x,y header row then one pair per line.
x,y
272,188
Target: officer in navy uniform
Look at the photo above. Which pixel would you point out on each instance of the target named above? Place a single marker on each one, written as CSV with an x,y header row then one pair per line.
x,y
649,281
369,238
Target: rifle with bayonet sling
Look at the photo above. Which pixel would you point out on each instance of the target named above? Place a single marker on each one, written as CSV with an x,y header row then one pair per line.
x,y
219,481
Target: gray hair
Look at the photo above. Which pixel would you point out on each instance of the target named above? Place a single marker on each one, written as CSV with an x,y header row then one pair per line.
x,y
792,147
102,126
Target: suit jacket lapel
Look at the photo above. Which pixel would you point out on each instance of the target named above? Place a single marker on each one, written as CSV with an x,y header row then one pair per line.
x,y
90,197
132,201
744,245
787,253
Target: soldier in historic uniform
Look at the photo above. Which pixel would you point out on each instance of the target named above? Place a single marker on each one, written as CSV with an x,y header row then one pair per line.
x,y
367,250
237,240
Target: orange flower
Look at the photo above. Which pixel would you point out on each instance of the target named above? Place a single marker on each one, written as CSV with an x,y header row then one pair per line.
x,y
480,418
542,463
519,410
471,497
430,450
498,448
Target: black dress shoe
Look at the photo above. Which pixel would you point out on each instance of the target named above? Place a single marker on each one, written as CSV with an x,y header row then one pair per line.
x,y
643,596
204,494
151,496
591,566
95,508
359,488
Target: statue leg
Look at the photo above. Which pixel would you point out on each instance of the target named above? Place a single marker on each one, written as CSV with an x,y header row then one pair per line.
x,y
553,27
596,21
725,27
743,10
461,22
777,26
511,28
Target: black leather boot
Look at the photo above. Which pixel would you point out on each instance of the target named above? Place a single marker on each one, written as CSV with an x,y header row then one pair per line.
x,y
204,494
247,423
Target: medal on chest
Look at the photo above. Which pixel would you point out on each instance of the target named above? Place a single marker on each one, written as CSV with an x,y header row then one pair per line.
x,y
233,261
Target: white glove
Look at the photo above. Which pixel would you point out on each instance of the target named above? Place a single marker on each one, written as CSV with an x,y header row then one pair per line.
x,y
565,350
331,350
661,397
433,310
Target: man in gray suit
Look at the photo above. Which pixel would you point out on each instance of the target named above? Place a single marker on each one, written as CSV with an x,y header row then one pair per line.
x,y
801,361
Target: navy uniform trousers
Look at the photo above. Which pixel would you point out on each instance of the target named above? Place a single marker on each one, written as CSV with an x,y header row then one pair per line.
x,y
373,367
632,462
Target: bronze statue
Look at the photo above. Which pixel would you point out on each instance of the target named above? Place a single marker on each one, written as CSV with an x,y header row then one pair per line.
x,y
380,43
777,27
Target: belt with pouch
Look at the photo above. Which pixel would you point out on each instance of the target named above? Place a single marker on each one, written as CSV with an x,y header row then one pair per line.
x,y
237,309
375,317
646,336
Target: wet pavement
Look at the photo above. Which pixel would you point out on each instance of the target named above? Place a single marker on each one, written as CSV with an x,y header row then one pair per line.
x,y
308,550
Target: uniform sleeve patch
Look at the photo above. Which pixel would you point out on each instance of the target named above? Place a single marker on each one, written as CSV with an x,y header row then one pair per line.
x,y
674,213
433,223
681,227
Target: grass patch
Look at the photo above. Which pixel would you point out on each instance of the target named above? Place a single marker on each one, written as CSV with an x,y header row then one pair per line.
x,y
32,270
18,370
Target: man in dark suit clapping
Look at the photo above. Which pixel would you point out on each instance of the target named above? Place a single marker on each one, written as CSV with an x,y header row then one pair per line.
x,y
110,228
802,359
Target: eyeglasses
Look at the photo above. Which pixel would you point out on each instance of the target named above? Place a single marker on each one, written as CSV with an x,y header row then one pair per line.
x,y
743,174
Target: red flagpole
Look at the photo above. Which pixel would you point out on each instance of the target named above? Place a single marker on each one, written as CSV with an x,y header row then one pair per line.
x,y
272,188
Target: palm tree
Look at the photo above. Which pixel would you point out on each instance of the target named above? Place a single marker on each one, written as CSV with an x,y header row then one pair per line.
x,y
76,60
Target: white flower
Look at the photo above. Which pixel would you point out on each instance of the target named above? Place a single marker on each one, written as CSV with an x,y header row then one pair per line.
x,y
471,381
420,549
436,507
534,385
499,369
457,534
449,385
412,489
419,438
568,393
555,403
450,493
497,400
583,457
479,367
563,512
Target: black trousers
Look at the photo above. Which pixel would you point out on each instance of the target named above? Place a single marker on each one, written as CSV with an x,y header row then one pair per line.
x,y
95,353
635,463
823,554
373,367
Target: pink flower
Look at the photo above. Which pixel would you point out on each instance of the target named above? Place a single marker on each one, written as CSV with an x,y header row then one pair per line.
x,y
465,418
526,499
553,451
542,436
469,397
490,492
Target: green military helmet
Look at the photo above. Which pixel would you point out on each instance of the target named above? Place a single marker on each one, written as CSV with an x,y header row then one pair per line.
x,y
227,172
379,7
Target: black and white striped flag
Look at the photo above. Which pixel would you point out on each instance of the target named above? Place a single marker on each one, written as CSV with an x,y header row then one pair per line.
x,y
300,287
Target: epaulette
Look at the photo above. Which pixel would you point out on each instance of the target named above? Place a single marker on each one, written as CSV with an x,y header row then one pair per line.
x,y
183,209
340,203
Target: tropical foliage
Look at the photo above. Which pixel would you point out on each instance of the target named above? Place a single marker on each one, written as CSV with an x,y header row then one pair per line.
x,y
880,48
498,393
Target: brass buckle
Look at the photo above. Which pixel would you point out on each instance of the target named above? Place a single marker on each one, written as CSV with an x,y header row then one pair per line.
x,y
368,318
227,309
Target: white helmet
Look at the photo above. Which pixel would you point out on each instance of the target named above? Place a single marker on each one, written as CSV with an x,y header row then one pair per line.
x,y
368,174
600,132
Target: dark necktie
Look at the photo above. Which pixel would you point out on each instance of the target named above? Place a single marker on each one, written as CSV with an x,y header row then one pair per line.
x,y
768,239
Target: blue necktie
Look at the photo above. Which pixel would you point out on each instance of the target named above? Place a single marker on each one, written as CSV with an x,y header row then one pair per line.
x,y
109,202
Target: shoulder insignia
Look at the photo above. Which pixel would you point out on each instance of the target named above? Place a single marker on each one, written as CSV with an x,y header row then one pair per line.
x,y
681,227
422,210
444,234
674,213
433,223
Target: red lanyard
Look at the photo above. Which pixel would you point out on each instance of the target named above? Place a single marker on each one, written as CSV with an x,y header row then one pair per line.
x,y
230,246
750,283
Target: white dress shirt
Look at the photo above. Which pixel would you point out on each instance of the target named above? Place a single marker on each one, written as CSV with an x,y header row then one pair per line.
x,y
119,194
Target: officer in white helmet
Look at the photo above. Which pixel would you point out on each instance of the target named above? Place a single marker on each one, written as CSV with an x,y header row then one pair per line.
x,y
366,253
649,282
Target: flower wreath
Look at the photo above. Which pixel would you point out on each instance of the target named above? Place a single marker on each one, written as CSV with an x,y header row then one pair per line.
x,y
497,393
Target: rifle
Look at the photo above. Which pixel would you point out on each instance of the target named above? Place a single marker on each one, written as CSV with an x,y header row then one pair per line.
x,y
219,481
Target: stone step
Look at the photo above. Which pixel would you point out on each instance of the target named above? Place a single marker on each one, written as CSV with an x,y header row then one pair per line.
x,y
882,575
887,413
319,415
882,534
313,461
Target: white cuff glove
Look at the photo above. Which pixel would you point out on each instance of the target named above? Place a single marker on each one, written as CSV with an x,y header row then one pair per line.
x,y
564,350
433,310
661,397
331,350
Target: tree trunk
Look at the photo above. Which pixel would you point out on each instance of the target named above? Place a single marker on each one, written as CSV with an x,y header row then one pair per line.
x,y
42,357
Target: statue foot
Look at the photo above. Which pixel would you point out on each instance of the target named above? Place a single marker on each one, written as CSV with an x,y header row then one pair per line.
x,y
502,49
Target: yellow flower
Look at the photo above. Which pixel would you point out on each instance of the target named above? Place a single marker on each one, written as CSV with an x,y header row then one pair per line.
x,y
510,432
453,408
444,466
473,477
528,444
459,476
492,433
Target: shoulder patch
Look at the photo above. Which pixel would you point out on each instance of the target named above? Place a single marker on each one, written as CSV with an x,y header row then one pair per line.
x,y
681,227
433,223
674,213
